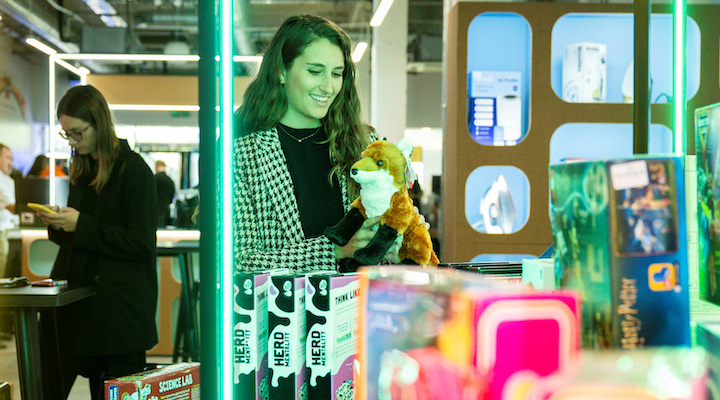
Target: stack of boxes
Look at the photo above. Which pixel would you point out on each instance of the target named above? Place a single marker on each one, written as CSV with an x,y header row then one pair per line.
x,y
294,336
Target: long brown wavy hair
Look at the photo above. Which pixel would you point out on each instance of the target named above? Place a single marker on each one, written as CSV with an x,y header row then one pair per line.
x,y
88,104
265,102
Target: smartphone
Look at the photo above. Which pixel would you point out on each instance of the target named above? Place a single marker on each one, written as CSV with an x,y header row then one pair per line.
x,y
49,283
40,207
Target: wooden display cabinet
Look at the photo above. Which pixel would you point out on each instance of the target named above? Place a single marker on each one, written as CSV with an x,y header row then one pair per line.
x,y
547,112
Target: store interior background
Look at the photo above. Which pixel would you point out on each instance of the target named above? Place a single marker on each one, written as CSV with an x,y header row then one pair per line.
x,y
170,27
413,78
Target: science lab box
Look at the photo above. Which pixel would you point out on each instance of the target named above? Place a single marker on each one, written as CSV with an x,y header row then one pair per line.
x,y
177,381
331,346
619,239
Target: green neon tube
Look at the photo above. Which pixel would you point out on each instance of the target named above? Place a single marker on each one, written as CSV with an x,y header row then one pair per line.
x,y
225,195
216,131
679,105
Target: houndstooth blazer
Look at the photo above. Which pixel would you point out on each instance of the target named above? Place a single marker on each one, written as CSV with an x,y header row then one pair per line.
x,y
268,232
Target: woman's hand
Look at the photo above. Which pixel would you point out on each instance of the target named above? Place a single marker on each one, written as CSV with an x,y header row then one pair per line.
x,y
66,218
359,240
43,215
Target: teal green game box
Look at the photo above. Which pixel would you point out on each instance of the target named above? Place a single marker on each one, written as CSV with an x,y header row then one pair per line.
x,y
707,136
619,238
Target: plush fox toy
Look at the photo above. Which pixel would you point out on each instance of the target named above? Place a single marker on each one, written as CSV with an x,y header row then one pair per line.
x,y
381,173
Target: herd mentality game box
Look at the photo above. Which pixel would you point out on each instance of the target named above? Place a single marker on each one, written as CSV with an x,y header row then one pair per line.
x,y
286,338
707,137
250,335
619,239
331,303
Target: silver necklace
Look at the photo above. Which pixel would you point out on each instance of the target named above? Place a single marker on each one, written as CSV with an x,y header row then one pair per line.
x,y
299,140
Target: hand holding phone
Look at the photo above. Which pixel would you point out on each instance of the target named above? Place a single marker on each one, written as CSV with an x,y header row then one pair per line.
x,y
41,208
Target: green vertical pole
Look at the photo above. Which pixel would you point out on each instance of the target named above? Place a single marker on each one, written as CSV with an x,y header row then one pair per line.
x,y
215,92
641,103
209,271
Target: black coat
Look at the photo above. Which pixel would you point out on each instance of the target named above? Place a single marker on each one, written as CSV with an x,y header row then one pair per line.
x,y
166,192
113,250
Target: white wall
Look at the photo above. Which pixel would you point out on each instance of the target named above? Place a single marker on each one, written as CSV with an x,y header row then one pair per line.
x,y
424,100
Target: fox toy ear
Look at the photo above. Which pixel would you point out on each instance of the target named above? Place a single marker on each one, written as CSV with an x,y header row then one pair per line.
x,y
406,146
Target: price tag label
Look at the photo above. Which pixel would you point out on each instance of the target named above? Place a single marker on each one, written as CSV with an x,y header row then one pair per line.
x,y
629,175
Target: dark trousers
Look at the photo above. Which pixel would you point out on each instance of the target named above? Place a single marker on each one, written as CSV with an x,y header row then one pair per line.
x,y
60,367
98,369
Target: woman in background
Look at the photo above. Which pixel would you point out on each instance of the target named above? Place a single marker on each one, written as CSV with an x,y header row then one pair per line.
x,y
39,165
300,130
107,241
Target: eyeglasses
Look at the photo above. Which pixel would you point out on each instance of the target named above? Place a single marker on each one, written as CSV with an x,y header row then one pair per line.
x,y
75,135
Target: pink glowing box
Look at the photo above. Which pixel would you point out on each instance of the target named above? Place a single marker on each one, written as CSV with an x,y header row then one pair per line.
x,y
519,336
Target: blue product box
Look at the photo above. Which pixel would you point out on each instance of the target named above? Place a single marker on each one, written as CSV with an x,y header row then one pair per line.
x,y
619,239
495,107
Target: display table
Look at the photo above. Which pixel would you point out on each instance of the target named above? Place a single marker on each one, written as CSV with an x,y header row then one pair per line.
x,y
186,330
26,302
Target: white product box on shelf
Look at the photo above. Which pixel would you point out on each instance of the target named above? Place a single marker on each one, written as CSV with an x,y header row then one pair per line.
x,y
495,107
584,73
539,272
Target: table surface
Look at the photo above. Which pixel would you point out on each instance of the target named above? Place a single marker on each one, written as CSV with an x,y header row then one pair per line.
x,y
167,247
33,296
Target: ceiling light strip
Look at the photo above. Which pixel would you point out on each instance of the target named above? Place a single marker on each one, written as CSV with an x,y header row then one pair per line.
x,y
380,13
152,107
359,51
147,57
129,57
106,12
40,46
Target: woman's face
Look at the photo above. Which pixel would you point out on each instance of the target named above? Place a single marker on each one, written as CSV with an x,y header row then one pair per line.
x,y
312,83
81,135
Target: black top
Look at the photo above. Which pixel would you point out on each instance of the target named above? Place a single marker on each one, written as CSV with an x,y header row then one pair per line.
x,y
113,251
319,203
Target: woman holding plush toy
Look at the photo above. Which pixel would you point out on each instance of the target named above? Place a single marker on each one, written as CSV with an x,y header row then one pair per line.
x,y
106,236
300,131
